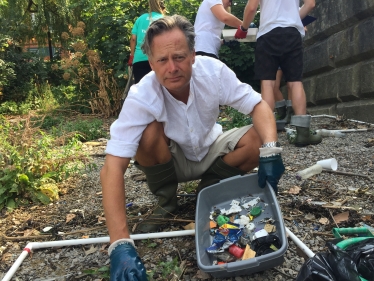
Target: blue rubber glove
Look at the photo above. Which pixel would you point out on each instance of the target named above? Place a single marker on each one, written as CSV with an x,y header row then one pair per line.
x,y
270,169
125,264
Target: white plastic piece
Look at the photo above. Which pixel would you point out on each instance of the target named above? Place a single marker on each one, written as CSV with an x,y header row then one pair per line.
x,y
260,233
251,203
330,133
250,227
308,172
330,164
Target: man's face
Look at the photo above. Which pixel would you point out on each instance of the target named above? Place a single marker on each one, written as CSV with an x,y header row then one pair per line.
x,y
172,61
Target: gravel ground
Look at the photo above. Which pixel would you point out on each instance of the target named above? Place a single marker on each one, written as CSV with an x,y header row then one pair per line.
x,y
79,214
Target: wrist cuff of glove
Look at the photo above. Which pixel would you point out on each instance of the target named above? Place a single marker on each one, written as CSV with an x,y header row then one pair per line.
x,y
120,242
270,151
243,29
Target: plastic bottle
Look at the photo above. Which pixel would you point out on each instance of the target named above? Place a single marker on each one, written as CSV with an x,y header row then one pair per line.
x,y
331,133
308,172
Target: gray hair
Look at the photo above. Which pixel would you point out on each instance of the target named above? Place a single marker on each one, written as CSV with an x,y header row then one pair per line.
x,y
165,24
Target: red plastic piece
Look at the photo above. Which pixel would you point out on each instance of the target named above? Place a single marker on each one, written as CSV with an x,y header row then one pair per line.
x,y
236,251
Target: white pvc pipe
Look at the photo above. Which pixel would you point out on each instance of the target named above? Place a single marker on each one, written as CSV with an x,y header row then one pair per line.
x,y
300,243
334,117
60,243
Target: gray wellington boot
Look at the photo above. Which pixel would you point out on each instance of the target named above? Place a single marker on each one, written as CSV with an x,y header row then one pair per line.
x,y
281,111
304,136
219,170
289,112
162,181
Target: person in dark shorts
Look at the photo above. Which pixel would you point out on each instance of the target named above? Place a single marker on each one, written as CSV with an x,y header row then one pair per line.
x,y
279,44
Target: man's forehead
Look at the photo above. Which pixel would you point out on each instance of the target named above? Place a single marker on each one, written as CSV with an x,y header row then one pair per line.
x,y
169,41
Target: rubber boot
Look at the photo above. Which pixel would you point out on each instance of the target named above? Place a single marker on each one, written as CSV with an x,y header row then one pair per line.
x,y
289,111
281,111
219,170
304,136
162,181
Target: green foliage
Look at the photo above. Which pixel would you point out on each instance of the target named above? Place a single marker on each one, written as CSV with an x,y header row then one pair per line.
x,y
185,8
166,270
234,119
102,272
28,71
30,163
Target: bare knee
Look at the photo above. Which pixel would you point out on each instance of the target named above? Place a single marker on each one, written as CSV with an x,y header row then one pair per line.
x,y
153,146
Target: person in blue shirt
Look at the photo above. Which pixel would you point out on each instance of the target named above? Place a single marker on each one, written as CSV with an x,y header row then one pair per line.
x,y
138,60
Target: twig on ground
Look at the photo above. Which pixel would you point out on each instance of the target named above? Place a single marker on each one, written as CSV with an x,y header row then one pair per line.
x,y
21,238
347,174
333,219
288,276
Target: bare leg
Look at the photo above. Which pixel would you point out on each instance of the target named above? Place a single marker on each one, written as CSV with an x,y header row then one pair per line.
x,y
278,96
246,153
298,97
267,92
153,146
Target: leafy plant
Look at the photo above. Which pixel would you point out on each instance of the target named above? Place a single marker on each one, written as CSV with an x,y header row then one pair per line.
x,y
235,119
31,164
102,272
166,269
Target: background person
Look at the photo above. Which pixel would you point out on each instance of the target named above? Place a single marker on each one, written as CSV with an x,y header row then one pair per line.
x,y
209,23
279,44
138,60
168,122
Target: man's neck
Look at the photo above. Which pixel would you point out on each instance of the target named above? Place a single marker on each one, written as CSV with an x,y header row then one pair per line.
x,y
181,94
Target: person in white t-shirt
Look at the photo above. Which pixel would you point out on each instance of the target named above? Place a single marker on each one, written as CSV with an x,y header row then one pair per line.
x,y
209,23
168,123
279,44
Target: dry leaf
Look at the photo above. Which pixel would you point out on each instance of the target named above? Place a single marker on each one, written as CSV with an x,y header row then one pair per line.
x,y
202,275
341,217
6,257
294,190
100,219
269,228
29,232
69,217
85,236
310,217
90,250
189,226
366,218
324,221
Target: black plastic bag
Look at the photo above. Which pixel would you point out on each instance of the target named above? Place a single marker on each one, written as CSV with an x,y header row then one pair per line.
x,y
334,266
362,253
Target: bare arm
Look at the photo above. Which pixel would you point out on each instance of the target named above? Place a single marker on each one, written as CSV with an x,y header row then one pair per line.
x,y
220,13
307,8
114,202
132,44
250,12
264,122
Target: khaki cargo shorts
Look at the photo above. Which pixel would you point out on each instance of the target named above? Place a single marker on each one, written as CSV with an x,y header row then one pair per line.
x,y
188,170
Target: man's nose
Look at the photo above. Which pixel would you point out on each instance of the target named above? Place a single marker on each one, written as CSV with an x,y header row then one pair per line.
x,y
172,66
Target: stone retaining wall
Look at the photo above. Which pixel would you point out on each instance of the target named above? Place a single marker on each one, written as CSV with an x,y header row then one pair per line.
x,y
339,59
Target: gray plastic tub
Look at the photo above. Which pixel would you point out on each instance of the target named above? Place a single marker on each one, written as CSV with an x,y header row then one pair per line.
x,y
220,195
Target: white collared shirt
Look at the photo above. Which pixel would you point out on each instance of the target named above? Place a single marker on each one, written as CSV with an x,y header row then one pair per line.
x,y
192,125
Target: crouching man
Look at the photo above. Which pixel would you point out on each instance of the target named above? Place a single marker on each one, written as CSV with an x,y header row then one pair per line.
x,y
168,123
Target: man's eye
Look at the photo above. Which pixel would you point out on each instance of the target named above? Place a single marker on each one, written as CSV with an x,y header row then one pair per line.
x,y
179,58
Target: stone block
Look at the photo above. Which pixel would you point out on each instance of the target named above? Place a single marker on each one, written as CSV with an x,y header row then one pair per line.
x,y
310,90
361,110
316,59
367,80
353,44
329,109
338,85
336,15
